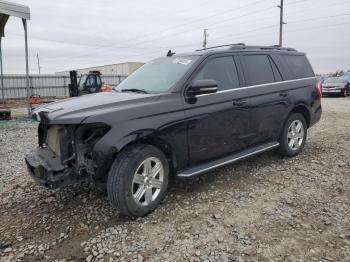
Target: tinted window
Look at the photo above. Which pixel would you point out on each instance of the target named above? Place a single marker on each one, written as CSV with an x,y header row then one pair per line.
x,y
259,69
223,70
299,66
275,70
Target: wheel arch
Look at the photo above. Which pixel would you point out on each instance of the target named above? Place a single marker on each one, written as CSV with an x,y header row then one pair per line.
x,y
304,111
158,140
301,109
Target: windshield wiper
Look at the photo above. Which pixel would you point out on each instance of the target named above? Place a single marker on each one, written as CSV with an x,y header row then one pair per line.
x,y
135,90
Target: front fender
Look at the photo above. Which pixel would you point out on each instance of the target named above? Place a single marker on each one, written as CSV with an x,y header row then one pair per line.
x,y
172,134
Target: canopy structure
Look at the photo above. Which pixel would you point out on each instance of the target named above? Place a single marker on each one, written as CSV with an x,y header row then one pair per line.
x,y
8,9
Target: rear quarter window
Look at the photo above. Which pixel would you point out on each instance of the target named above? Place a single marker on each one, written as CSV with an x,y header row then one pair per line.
x,y
299,66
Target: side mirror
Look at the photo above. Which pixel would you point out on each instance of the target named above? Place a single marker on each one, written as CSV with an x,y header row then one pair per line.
x,y
202,87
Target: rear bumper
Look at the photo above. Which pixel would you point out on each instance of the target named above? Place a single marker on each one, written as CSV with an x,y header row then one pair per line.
x,y
316,114
45,167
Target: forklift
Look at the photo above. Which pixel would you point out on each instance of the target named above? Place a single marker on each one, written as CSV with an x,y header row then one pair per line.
x,y
88,84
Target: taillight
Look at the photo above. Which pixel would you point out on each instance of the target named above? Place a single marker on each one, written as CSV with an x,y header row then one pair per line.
x,y
318,88
106,88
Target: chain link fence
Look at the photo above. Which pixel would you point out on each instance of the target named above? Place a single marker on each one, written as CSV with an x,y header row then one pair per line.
x,y
45,85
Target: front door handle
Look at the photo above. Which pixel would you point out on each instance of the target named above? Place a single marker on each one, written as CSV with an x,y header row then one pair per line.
x,y
239,102
284,94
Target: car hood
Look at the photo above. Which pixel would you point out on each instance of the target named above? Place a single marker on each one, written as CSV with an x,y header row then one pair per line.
x,y
75,110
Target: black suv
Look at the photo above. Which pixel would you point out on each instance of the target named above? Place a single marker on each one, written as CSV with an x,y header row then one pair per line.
x,y
178,115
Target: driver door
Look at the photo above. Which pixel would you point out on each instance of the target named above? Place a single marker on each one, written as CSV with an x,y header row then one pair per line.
x,y
218,123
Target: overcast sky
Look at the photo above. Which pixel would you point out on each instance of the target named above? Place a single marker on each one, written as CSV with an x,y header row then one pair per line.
x,y
73,34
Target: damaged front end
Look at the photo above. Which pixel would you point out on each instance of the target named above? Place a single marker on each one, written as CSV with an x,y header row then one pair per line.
x,y
66,155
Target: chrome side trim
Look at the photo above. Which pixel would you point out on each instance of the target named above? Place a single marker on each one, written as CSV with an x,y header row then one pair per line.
x,y
254,86
229,161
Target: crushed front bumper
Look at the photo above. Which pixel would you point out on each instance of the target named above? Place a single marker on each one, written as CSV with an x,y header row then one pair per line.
x,y
45,167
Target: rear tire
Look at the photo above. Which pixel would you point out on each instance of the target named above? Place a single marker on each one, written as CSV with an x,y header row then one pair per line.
x,y
293,136
138,180
344,93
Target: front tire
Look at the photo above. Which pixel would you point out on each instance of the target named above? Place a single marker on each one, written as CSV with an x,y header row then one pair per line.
x,y
293,137
138,180
344,93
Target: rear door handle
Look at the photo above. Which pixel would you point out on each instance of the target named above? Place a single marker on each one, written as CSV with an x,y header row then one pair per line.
x,y
239,102
284,94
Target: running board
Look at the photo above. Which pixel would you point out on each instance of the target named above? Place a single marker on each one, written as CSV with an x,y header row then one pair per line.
x,y
192,171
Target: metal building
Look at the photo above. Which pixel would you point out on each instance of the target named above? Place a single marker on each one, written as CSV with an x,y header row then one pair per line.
x,y
122,69
8,9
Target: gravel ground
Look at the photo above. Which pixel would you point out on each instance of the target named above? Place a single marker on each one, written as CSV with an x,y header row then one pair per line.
x,y
266,208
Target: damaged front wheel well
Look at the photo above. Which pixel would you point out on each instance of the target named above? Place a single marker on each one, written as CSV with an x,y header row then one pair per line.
x,y
161,145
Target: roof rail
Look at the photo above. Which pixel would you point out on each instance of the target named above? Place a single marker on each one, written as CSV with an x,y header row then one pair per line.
x,y
242,46
219,46
274,47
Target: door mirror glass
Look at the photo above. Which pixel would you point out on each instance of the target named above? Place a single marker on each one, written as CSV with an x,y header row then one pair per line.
x,y
201,87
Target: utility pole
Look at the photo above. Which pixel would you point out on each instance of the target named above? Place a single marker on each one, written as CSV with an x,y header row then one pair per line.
x,y
281,23
205,38
38,62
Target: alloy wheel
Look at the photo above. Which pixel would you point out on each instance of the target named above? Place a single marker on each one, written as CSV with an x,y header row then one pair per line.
x,y
148,181
295,135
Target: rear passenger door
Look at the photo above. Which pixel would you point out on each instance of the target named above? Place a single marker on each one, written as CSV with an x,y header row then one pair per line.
x,y
269,104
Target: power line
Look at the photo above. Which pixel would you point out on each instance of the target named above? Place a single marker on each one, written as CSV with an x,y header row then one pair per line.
x,y
296,2
179,33
287,29
247,32
318,27
318,18
147,40
158,52
187,23
241,16
143,47
243,33
102,47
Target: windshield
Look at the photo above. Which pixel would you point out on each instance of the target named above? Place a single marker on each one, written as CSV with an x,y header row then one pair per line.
x,y
158,75
82,80
333,80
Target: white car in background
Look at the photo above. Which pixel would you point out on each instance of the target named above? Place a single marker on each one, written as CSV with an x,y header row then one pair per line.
x,y
335,85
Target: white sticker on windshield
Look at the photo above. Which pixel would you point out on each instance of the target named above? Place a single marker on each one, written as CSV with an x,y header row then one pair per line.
x,y
182,61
